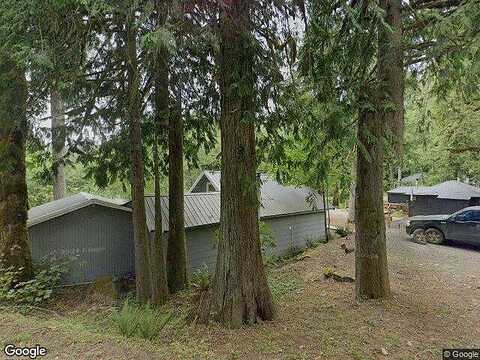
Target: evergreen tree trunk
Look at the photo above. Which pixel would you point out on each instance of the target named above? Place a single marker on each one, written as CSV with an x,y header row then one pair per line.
x,y
371,272
158,264
372,280
394,78
58,143
14,248
177,248
240,292
142,269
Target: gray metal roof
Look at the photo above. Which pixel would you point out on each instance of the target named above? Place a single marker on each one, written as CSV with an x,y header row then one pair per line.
x,y
204,208
455,190
412,178
68,204
200,209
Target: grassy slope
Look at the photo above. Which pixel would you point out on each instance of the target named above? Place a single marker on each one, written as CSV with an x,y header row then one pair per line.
x,y
318,319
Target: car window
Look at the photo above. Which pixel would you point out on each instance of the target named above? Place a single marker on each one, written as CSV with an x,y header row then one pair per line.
x,y
476,215
465,216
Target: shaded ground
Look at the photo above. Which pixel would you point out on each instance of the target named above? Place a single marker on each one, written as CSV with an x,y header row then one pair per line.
x,y
435,304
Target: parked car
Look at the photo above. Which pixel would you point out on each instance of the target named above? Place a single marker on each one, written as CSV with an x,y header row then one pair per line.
x,y
462,226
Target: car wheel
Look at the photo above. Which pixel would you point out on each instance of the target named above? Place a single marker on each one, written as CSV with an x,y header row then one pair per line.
x,y
434,236
419,236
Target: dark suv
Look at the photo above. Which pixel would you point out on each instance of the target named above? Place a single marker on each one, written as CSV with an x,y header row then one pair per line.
x,y
464,226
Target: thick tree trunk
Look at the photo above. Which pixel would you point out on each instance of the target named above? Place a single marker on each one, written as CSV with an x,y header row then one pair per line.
x,y
58,143
394,75
240,293
177,248
158,264
372,280
142,269
371,271
14,248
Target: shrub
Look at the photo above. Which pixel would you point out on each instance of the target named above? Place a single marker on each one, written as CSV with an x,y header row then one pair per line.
x,y
127,319
46,279
292,252
342,232
201,278
143,322
313,243
267,239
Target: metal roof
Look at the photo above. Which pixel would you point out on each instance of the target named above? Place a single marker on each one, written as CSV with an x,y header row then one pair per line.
x,y
454,190
68,204
412,178
203,208
200,209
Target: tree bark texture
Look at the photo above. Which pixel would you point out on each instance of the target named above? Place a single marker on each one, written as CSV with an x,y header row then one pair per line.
x,y
240,293
394,75
177,248
58,143
371,272
157,258
14,247
372,279
142,269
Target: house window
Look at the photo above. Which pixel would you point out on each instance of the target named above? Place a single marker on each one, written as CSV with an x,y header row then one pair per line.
x,y
210,187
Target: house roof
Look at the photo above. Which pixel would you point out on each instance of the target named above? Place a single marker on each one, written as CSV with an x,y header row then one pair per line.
x,y
56,208
454,190
203,208
200,209
412,178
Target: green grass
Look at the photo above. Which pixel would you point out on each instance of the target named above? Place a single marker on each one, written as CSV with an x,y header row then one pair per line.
x,y
283,285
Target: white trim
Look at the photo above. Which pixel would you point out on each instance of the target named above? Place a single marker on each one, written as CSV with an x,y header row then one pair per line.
x,y
205,173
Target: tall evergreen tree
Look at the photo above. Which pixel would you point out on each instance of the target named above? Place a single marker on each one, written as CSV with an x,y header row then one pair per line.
x,y
14,248
241,293
134,113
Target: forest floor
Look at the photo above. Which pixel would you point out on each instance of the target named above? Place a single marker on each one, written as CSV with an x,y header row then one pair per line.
x,y
435,304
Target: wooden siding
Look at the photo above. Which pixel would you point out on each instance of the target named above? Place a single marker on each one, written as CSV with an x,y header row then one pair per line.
x,y
99,241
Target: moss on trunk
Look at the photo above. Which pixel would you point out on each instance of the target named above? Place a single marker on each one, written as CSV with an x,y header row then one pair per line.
x,y
14,248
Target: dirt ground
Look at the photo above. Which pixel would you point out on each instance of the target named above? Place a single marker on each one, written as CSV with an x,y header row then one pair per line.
x,y
435,304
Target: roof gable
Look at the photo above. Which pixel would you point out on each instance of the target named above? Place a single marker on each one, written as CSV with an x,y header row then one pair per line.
x,y
56,208
454,190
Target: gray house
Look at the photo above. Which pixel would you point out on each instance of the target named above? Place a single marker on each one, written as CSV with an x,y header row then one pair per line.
x,y
94,232
294,215
444,198
97,233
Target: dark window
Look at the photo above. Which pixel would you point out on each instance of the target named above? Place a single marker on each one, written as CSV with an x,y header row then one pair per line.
x,y
465,216
476,215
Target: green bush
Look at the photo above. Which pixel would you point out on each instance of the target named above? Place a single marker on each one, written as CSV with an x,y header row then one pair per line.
x,y
201,278
313,243
139,321
41,287
127,319
342,232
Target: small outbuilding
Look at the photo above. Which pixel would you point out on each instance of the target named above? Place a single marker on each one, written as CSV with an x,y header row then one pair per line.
x,y
444,198
95,233
294,216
